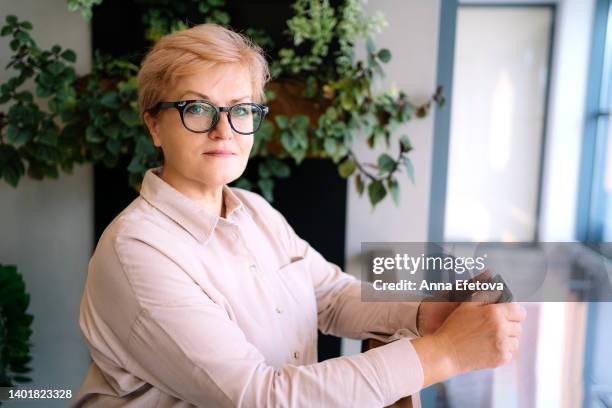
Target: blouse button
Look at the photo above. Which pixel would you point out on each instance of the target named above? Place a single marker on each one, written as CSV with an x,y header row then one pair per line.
x,y
296,355
279,309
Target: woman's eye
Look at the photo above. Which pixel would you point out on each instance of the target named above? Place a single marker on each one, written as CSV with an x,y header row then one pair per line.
x,y
195,109
241,111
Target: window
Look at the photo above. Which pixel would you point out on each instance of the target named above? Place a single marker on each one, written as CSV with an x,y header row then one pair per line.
x,y
595,205
497,126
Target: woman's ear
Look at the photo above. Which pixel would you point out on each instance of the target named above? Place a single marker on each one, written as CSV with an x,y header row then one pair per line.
x,y
151,124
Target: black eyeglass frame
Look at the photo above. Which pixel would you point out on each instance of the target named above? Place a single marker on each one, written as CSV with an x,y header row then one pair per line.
x,y
181,105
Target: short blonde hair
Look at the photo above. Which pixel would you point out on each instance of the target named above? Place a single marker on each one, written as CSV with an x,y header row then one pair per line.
x,y
200,47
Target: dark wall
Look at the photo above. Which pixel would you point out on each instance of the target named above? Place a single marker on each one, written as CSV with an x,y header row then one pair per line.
x,y
313,199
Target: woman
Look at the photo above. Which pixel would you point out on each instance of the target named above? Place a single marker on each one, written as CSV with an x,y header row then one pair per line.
x,y
200,294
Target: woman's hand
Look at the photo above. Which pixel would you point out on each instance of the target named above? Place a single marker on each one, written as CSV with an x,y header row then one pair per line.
x,y
431,315
475,335
434,311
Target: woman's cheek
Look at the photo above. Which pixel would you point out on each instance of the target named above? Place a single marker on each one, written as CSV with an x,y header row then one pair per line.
x,y
247,145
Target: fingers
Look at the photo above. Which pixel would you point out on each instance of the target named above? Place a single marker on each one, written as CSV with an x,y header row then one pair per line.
x,y
509,344
514,329
507,347
483,277
514,312
486,297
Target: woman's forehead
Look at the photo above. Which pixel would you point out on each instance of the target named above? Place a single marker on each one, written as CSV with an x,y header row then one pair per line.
x,y
219,84
190,94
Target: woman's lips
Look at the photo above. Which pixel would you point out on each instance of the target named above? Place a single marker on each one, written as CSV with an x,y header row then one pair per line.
x,y
219,153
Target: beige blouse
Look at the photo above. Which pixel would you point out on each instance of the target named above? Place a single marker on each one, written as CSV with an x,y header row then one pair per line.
x,y
183,308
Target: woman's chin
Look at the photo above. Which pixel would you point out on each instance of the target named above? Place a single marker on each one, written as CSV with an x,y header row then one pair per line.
x,y
220,179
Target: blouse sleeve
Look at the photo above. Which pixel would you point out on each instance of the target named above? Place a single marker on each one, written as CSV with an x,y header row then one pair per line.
x,y
186,345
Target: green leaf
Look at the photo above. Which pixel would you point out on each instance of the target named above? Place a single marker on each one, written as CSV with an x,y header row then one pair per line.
x,y
409,169
281,121
23,36
386,164
346,101
11,167
135,166
370,47
54,105
129,117
384,55
92,135
359,184
347,167
405,145
113,146
43,91
56,68
288,142
69,55
48,137
393,187
266,186
221,17
11,19
110,100
279,168
298,155
263,170
376,192
18,136
330,146
26,25
6,30
113,131
300,121
144,147
244,183
24,96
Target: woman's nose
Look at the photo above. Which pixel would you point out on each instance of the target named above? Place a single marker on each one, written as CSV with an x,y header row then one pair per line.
x,y
222,130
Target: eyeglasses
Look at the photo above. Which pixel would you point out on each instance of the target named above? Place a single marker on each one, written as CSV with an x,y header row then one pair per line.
x,y
201,116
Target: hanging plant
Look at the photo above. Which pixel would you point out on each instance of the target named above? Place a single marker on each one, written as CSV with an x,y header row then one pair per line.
x,y
15,328
321,101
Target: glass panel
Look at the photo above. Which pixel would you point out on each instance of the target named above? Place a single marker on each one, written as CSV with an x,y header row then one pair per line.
x,y
607,180
497,122
606,136
600,217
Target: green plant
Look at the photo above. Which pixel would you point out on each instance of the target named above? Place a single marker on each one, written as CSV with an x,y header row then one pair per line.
x,y
346,87
89,119
84,5
95,118
15,328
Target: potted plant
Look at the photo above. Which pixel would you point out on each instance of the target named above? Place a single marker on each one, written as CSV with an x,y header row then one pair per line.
x,y
15,328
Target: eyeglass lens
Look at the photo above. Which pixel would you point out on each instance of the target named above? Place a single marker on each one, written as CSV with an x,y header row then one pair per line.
x,y
244,117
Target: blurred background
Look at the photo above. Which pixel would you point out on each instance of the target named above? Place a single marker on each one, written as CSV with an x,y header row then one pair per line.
x,y
520,151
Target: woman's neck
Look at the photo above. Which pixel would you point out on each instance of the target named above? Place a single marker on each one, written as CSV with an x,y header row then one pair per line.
x,y
209,197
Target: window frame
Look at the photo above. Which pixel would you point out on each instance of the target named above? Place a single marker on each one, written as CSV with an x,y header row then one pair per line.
x,y
442,126
591,198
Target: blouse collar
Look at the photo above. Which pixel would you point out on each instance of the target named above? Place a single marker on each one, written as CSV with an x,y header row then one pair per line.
x,y
183,210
